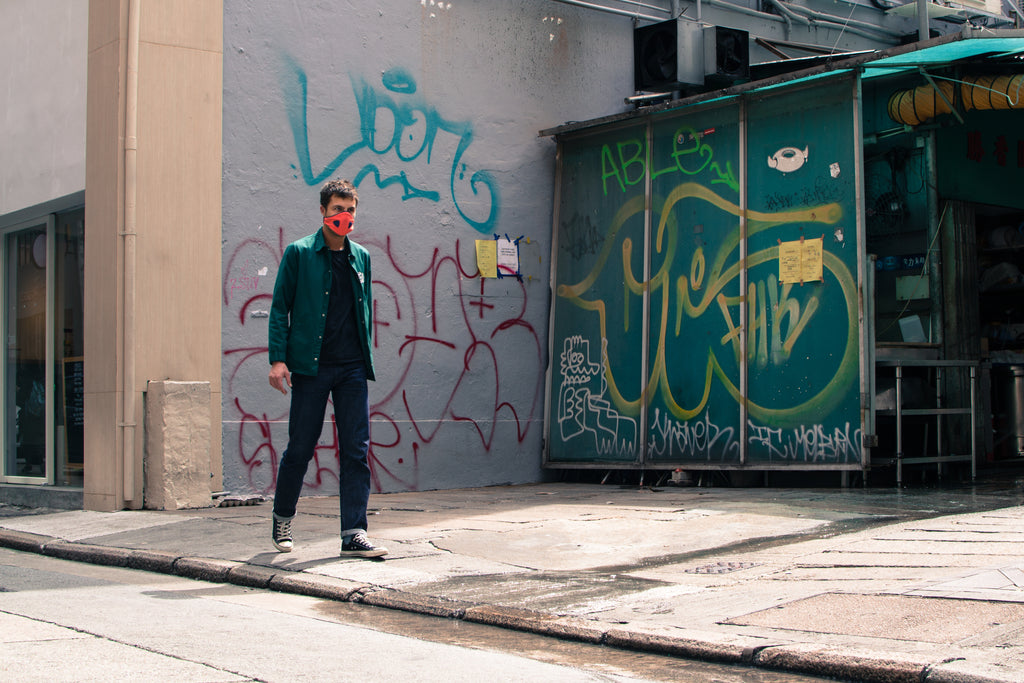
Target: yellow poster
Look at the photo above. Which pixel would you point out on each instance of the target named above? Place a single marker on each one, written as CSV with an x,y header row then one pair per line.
x,y
487,258
812,258
801,261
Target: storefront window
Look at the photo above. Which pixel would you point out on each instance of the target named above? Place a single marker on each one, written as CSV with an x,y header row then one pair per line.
x,y
43,272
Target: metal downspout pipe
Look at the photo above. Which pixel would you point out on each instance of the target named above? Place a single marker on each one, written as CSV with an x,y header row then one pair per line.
x,y
128,239
934,255
789,15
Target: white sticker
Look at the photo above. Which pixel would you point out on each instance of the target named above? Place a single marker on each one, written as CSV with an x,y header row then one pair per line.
x,y
834,169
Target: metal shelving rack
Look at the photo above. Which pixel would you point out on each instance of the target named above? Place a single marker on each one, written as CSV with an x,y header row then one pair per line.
x,y
938,411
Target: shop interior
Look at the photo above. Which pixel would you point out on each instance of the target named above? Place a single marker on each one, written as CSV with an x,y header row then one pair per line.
x,y
945,237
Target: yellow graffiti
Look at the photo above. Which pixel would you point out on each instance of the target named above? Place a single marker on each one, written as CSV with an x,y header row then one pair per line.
x,y
767,306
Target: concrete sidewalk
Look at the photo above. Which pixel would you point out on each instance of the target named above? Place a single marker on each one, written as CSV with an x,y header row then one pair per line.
x,y
864,585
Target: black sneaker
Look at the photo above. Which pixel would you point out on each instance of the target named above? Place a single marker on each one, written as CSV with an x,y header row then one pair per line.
x,y
360,546
282,534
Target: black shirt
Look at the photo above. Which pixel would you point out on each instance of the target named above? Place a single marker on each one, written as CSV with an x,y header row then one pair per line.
x,y
341,334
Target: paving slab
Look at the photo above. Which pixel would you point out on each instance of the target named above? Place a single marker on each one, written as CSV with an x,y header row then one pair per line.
x,y
82,524
898,617
18,629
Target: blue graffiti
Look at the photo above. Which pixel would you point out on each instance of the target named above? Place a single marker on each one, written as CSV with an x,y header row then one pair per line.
x,y
411,118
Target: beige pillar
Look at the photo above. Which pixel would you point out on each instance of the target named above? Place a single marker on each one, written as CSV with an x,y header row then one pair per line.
x,y
154,314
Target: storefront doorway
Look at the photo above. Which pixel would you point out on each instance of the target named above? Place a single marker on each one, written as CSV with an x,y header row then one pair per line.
x,y
41,375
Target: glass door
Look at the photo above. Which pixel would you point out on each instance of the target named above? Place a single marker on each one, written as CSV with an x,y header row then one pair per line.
x,y
26,375
67,348
41,375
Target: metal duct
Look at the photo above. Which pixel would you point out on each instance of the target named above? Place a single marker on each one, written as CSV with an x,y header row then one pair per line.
x,y
914,107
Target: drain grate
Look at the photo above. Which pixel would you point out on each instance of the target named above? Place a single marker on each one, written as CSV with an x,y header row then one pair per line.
x,y
721,567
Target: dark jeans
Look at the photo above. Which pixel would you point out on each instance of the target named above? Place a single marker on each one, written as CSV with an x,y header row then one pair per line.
x,y
346,385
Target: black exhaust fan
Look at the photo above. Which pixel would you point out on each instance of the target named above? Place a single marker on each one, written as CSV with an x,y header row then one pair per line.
x,y
677,54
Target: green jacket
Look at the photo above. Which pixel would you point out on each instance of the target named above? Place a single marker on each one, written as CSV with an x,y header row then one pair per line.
x,y
298,313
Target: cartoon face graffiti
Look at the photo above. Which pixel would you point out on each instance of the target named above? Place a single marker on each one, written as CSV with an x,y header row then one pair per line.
x,y
788,159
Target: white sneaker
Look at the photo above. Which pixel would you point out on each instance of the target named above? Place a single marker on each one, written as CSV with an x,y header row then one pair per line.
x,y
360,546
282,534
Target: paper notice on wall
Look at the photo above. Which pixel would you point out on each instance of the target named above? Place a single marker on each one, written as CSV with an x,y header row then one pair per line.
x,y
508,257
487,258
800,261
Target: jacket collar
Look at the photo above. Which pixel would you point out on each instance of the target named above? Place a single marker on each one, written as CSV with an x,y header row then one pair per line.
x,y
319,243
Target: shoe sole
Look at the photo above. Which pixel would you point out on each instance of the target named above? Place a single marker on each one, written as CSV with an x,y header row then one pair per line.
x,y
379,552
282,548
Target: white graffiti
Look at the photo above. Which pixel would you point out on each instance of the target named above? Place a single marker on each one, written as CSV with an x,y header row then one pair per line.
x,y
807,443
700,438
583,410
788,159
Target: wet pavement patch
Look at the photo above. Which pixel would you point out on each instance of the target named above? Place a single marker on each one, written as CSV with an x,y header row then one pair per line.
x,y
899,617
542,590
721,567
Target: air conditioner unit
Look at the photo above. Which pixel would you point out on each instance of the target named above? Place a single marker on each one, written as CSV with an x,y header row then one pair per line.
x,y
674,54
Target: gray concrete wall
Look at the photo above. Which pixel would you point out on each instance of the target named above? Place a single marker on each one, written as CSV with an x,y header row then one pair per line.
x,y
42,101
434,109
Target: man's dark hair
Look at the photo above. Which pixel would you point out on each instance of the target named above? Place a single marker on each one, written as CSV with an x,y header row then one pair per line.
x,y
342,188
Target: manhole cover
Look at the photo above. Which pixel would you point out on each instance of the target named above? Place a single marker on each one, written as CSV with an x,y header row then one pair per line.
x,y
721,567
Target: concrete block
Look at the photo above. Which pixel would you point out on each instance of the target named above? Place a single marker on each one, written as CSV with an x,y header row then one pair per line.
x,y
204,568
687,648
531,621
83,552
315,586
177,460
21,540
252,576
844,663
421,604
152,561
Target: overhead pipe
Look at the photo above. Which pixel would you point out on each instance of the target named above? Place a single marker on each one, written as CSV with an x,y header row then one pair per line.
x,y
849,24
613,10
917,105
789,15
128,238
816,19
764,16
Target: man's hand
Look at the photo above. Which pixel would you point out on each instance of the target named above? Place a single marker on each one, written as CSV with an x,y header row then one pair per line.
x,y
279,376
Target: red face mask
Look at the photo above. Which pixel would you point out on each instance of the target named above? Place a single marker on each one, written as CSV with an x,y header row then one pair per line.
x,y
340,223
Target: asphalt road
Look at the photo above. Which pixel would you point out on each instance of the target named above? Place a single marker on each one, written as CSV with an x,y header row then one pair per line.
x,y
66,621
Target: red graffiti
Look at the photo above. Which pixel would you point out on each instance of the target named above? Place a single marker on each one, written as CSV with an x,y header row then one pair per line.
x,y
453,352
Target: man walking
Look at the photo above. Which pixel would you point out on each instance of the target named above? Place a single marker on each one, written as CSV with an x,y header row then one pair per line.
x,y
320,347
